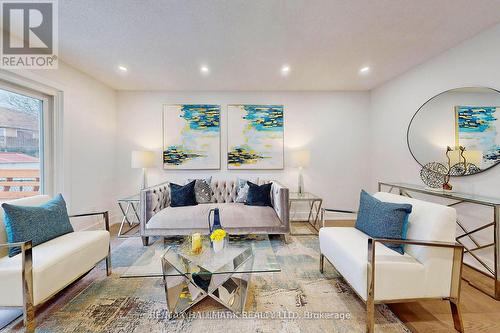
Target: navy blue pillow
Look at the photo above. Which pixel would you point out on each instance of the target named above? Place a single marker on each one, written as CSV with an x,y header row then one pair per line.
x,y
380,219
36,223
259,195
182,195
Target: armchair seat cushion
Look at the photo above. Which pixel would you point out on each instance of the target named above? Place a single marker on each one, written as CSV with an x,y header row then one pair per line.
x,y
56,264
396,276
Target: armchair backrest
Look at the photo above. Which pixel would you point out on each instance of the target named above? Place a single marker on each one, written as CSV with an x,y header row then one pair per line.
x,y
30,201
427,221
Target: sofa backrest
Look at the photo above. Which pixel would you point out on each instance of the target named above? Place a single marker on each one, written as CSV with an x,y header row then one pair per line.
x,y
226,190
31,201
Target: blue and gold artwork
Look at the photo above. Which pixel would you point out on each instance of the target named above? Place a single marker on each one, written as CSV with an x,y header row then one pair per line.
x,y
191,138
476,128
255,136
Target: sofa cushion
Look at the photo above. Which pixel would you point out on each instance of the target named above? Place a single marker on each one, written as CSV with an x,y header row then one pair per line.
x,y
202,190
396,276
182,195
56,264
234,216
383,219
36,223
29,201
259,195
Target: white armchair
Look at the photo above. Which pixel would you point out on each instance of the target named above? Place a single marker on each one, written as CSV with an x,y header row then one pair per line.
x,y
429,269
38,273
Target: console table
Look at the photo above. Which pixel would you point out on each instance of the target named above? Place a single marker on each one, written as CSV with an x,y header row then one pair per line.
x,y
460,198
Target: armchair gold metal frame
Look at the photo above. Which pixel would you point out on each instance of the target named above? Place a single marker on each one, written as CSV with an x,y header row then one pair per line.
x,y
27,272
456,276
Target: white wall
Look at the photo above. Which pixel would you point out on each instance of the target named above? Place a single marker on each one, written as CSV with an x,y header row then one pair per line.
x,y
475,62
89,130
333,125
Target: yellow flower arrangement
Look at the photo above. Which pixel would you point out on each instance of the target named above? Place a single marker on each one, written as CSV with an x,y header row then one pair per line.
x,y
218,235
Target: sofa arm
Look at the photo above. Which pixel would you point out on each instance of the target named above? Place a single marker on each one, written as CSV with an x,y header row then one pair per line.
x,y
152,200
280,203
27,282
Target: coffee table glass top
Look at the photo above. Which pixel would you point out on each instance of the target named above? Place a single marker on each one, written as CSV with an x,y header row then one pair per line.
x,y
251,254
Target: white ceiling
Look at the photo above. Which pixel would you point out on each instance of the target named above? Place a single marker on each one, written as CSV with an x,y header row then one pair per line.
x,y
245,42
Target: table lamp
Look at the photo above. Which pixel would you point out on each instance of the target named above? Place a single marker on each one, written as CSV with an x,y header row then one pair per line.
x,y
143,160
301,159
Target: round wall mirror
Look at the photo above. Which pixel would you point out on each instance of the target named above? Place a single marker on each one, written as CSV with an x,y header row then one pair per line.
x,y
467,120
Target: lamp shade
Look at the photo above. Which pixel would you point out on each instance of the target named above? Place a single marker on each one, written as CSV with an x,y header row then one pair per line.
x,y
301,158
142,159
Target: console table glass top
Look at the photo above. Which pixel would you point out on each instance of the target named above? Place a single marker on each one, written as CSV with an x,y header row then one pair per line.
x,y
447,194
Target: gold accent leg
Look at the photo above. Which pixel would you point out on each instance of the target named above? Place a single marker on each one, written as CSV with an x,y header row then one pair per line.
x,y
321,262
456,278
370,290
27,277
286,238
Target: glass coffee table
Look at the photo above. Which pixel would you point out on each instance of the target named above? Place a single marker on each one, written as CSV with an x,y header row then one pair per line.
x,y
223,276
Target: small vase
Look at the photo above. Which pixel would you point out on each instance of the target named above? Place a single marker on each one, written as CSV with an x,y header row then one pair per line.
x,y
218,245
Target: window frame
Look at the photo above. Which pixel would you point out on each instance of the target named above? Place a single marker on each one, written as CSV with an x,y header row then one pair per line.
x,y
48,182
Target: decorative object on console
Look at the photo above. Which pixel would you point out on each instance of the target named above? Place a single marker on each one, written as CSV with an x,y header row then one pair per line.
x,y
437,176
433,175
217,237
182,195
259,195
465,162
462,117
202,190
191,136
142,160
476,128
38,224
301,160
255,137
381,219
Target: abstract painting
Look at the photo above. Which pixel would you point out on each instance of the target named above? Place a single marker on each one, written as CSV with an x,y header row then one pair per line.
x,y
255,137
476,129
191,136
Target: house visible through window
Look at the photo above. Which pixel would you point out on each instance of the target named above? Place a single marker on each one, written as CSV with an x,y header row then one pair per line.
x,y
21,145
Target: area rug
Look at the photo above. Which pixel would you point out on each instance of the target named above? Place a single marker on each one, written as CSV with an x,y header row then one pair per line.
x,y
298,299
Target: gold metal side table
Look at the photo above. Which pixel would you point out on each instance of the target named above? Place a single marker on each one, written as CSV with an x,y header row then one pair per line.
x,y
315,203
130,210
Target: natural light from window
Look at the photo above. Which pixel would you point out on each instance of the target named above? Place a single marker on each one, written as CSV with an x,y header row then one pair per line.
x,y
20,145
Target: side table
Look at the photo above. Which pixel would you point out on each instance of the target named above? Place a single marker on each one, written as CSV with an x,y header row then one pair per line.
x,y
314,202
130,210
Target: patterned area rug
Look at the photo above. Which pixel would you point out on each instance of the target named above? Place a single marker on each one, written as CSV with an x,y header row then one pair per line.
x,y
298,299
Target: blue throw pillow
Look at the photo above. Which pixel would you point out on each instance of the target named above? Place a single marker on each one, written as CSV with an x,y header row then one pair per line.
x,y
381,219
182,195
259,195
36,223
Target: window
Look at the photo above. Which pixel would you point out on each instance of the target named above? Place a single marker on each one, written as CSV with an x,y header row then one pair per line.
x,y
24,142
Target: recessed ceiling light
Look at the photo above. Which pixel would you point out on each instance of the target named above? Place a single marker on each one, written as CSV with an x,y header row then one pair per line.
x,y
122,68
204,69
285,69
364,70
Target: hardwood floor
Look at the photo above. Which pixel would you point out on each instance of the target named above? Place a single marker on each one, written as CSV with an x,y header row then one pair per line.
x,y
480,312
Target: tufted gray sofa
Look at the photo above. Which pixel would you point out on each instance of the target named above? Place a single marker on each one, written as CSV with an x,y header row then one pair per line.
x,y
159,219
